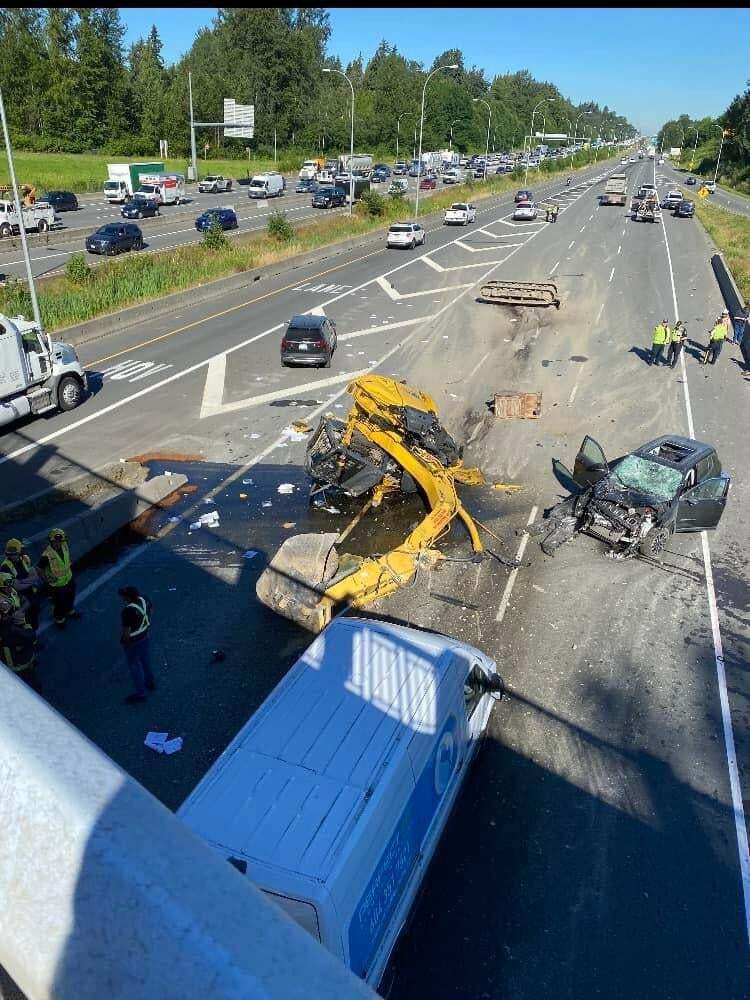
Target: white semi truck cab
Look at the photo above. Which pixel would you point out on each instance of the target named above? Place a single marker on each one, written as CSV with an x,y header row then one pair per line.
x,y
33,380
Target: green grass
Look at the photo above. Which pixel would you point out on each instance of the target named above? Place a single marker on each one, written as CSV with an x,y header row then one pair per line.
x,y
117,284
731,234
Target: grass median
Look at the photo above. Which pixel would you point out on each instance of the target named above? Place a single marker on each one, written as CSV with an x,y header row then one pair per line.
x,y
83,293
731,234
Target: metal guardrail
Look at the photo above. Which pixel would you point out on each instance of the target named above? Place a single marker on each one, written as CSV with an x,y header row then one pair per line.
x,y
106,894
734,303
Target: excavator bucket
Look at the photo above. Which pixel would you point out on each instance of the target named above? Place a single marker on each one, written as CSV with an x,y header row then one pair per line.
x,y
295,580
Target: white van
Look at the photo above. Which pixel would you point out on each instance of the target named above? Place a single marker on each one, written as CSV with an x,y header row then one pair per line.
x,y
333,797
266,186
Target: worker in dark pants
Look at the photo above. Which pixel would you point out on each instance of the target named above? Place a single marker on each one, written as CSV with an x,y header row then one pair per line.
x,y
555,210
134,638
26,580
658,341
17,647
677,338
56,568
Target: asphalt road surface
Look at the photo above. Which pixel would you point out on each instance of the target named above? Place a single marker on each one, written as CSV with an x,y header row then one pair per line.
x,y
725,199
599,846
174,227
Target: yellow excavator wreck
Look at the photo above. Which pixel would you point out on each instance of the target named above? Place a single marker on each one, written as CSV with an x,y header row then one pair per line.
x,y
391,441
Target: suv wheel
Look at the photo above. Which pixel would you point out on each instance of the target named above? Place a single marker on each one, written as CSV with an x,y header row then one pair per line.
x,y
655,543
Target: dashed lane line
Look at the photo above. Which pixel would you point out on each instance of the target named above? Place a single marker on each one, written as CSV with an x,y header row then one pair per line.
x,y
514,572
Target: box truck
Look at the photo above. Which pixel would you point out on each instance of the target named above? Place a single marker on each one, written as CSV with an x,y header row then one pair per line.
x,y
162,188
269,185
333,797
123,179
33,378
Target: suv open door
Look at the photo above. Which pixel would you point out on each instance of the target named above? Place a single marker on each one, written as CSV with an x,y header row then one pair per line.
x,y
701,507
590,465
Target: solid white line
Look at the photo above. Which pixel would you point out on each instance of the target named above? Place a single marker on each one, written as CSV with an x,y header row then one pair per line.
x,y
555,267
212,404
740,826
514,572
426,259
599,314
571,244
611,274
390,326
388,288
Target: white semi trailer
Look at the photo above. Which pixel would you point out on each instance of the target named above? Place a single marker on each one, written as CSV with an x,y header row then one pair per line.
x,y
36,375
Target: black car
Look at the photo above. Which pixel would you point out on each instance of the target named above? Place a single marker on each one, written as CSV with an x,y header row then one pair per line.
x,y
690,180
306,185
329,197
115,238
635,503
226,217
61,201
380,172
309,340
139,208
685,210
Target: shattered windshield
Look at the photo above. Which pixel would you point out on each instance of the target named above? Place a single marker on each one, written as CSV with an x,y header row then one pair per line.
x,y
648,477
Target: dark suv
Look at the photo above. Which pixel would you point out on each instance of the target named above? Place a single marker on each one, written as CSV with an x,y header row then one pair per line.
x,y
61,201
635,503
140,208
329,197
309,340
523,195
226,217
685,210
115,238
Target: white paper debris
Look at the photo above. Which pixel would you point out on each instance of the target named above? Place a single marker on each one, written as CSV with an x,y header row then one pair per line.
x,y
172,746
266,503
168,472
173,520
286,488
195,526
250,554
254,436
156,741
248,482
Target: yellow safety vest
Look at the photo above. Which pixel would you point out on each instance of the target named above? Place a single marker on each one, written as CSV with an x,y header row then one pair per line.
x,y
58,573
719,332
677,334
8,566
660,334
140,607
11,655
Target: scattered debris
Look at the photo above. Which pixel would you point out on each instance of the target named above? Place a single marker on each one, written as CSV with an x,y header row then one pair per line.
x,y
210,520
301,427
243,496
266,503
507,487
509,405
162,744
248,482
250,554
520,293
286,488
289,524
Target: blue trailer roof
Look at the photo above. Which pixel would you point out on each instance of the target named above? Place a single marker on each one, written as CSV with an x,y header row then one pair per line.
x,y
296,777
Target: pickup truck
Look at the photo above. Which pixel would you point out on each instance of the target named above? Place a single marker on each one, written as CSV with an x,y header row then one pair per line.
x,y
213,184
615,190
672,199
40,216
460,214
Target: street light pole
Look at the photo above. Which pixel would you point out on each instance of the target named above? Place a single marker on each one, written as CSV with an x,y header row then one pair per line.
x,y
570,129
481,100
454,122
421,130
398,130
695,146
329,69
528,156
721,146
22,228
193,152
575,140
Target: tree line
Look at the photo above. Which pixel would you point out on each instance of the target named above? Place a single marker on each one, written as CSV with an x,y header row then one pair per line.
x,y
70,85
733,123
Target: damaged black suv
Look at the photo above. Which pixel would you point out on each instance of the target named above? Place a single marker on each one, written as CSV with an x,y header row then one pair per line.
x,y
636,502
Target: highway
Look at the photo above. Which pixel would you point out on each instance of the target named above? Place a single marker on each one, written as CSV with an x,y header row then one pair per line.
x,y
732,202
174,227
599,846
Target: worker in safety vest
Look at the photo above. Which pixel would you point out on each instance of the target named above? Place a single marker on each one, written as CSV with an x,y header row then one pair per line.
x,y
658,341
134,637
55,567
716,342
677,338
555,210
17,564
17,647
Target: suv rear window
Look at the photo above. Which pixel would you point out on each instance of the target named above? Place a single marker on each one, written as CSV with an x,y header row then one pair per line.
x,y
400,229
297,335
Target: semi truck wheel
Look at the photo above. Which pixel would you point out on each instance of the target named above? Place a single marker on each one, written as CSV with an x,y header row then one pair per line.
x,y
5,229
69,393
43,226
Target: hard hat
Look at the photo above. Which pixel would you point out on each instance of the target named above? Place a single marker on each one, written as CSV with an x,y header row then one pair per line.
x,y
56,533
725,312
5,606
13,546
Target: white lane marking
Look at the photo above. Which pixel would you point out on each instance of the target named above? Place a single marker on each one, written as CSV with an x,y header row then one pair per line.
x,y
477,366
611,275
431,263
740,826
619,250
624,231
394,294
571,244
514,572
464,267
53,435
555,267
390,326
582,228
591,217
213,392
572,396
465,246
599,314
133,371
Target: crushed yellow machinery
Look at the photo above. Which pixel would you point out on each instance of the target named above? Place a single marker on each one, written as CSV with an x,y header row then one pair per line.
x,y
391,441
26,192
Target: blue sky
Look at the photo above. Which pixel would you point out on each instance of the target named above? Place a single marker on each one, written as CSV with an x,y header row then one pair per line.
x,y
637,61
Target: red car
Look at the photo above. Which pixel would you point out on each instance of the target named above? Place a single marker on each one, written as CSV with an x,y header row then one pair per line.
x,y
523,195
427,184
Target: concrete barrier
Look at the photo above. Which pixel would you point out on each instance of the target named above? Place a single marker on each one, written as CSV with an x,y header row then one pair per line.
x,y
91,527
734,303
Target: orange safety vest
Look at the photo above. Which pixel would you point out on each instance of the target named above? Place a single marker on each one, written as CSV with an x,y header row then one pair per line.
x,y
58,572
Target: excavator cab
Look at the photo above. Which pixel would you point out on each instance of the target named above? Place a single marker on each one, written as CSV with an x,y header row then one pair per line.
x,y
392,441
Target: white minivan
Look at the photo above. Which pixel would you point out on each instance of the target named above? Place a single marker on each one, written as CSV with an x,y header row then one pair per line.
x,y
333,797
269,185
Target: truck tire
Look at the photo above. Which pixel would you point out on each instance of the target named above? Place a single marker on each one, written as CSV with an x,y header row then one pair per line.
x,y
43,226
69,393
5,230
229,185
654,544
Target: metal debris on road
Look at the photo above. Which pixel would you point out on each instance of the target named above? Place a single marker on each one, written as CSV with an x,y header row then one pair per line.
x,y
507,487
286,488
301,427
511,405
250,554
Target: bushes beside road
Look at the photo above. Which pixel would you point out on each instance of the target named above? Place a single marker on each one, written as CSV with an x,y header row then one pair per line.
x,y
79,296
